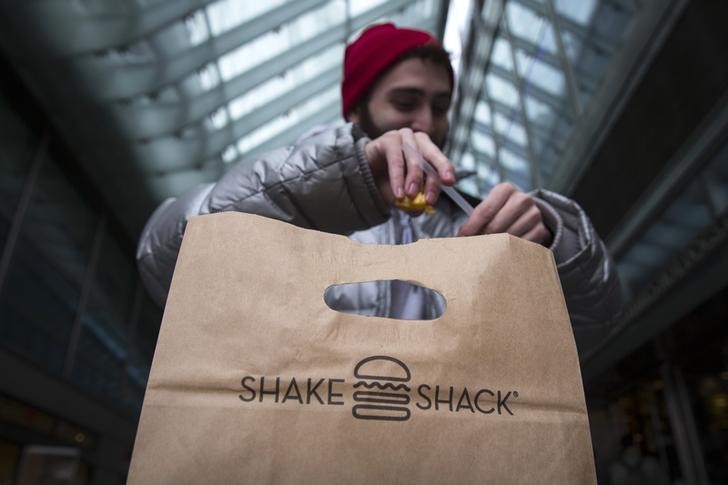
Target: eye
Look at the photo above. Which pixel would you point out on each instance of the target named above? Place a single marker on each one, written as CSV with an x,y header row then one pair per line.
x,y
404,105
439,108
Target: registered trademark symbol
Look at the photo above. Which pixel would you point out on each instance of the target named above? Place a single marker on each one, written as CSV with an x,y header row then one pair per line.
x,y
515,393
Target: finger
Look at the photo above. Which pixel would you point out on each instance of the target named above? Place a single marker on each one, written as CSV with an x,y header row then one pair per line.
x,y
413,179
516,205
484,212
434,156
539,234
392,153
432,189
526,222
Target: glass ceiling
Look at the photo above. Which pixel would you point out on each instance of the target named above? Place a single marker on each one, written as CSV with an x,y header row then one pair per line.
x,y
698,206
209,81
532,76
192,86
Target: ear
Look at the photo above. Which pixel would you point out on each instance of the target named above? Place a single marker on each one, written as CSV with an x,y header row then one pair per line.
x,y
353,115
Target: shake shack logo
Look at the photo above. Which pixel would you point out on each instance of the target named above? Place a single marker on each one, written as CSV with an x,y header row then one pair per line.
x,y
381,391
381,396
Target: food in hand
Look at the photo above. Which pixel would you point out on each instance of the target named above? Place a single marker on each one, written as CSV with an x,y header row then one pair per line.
x,y
416,204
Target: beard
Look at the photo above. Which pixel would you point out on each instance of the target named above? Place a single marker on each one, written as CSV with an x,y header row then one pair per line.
x,y
367,125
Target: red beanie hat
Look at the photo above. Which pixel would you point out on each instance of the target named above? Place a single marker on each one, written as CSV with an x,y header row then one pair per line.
x,y
376,49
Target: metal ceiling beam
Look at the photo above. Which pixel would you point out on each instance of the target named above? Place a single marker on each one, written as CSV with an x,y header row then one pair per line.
x,y
150,121
572,91
171,153
530,156
496,141
327,114
544,132
172,184
646,35
502,140
482,157
323,115
585,34
681,169
691,278
531,89
535,51
551,59
485,21
128,80
73,34
69,401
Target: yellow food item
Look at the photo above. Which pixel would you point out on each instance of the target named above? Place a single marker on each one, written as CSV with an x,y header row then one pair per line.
x,y
416,204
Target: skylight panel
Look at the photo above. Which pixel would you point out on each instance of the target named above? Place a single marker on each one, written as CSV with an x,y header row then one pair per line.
x,y
208,76
276,41
513,162
361,6
502,90
278,86
197,28
540,74
482,143
501,55
482,112
487,174
280,124
580,11
227,14
510,129
530,26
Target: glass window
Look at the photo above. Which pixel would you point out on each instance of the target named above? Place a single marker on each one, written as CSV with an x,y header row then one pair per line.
x,y
361,6
540,74
48,266
482,112
276,41
512,162
280,124
209,76
516,169
510,129
483,143
578,11
111,298
538,112
97,369
227,14
469,186
283,84
487,174
467,161
501,90
502,54
197,27
18,145
530,26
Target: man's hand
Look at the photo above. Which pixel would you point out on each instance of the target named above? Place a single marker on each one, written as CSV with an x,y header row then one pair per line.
x,y
397,175
506,209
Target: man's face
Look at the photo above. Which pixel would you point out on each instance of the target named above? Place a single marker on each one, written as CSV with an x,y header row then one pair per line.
x,y
414,94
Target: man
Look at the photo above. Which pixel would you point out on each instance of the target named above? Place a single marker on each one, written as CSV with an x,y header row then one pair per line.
x,y
348,179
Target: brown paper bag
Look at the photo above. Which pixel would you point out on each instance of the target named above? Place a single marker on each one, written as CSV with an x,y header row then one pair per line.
x,y
256,380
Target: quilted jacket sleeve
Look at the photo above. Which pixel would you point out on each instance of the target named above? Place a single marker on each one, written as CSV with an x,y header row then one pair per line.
x,y
588,276
323,183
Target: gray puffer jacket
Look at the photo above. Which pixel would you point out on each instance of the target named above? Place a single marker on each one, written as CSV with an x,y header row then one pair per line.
x,y
324,183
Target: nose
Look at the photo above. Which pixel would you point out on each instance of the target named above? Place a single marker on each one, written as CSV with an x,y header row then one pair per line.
x,y
423,121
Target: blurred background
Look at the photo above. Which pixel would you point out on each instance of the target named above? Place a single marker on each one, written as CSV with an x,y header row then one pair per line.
x,y
109,107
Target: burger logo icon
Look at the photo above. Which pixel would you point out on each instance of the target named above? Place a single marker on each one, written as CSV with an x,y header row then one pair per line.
x,y
381,390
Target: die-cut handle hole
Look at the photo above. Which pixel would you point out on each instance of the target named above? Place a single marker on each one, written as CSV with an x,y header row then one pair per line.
x,y
343,298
